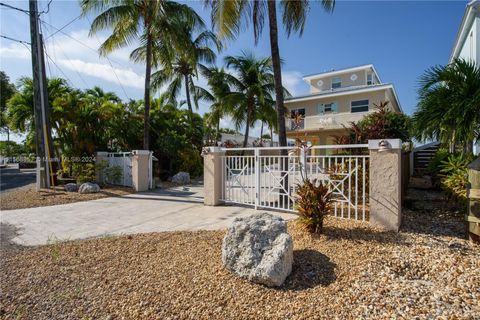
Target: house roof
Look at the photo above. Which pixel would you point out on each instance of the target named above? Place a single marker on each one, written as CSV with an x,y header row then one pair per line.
x,y
333,72
467,20
346,91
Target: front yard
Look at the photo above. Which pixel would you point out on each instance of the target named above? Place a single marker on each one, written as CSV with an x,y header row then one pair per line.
x,y
28,197
351,271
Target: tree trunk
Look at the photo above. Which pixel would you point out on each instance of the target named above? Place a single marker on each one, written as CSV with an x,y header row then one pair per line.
x,y
277,72
146,98
217,134
277,75
247,129
261,132
271,136
187,94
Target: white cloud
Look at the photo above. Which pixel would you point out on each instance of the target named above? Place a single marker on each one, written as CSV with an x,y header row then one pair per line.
x,y
292,81
127,77
14,51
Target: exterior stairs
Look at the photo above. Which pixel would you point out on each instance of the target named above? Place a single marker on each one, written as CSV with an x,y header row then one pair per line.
x,y
422,156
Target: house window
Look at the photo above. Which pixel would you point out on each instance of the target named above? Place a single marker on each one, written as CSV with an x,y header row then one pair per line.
x,y
336,83
327,108
369,79
297,119
359,106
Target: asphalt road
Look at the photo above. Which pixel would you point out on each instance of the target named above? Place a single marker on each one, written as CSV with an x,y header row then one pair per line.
x,y
11,178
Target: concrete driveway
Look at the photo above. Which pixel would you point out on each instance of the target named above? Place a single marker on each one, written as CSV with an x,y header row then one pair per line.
x,y
162,210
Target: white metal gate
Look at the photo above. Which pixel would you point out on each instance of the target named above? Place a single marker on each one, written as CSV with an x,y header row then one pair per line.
x,y
263,178
124,160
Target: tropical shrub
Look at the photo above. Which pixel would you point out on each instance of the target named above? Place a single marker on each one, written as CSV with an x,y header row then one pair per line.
x,y
454,177
313,201
114,174
382,124
191,162
435,164
84,172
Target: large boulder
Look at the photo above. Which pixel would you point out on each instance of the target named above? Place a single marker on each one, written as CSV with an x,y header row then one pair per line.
x,y
70,187
181,178
89,187
258,248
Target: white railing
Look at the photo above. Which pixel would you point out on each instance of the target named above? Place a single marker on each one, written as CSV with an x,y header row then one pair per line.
x,y
266,178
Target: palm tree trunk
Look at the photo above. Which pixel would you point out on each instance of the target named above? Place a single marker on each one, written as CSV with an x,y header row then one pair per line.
x,y
247,129
277,73
187,94
271,136
217,134
146,99
261,132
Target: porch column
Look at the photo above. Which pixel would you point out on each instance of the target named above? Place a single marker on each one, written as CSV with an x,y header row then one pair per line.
x,y
140,170
212,175
385,183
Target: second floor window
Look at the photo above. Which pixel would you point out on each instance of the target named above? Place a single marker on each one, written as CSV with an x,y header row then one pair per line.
x,y
327,108
359,106
369,79
336,83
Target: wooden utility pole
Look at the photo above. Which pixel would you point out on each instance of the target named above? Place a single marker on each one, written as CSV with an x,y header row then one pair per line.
x,y
40,100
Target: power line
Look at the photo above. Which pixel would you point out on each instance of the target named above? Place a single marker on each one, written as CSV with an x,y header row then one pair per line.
x,y
13,39
48,8
108,59
67,78
60,30
68,58
14,8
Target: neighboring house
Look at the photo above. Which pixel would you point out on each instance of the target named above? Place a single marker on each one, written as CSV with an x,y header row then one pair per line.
x,y
467,42
337,98
238,140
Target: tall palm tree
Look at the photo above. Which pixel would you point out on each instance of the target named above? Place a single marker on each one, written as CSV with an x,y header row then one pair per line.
x,y
229,16
184,67
449,107
143,20
219,82
251,88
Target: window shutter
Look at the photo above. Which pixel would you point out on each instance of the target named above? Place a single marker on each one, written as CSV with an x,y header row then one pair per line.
x,y
334,107
320,108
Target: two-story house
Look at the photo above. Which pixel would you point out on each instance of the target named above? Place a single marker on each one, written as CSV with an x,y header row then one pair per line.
x,y
337,98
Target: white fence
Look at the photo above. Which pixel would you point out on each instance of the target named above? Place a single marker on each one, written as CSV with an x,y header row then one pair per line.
x,y
263,178
124,161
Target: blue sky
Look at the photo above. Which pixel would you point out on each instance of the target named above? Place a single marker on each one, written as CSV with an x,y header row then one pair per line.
x,y
401,39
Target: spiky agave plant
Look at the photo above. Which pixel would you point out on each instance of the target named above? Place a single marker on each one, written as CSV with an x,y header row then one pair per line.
x,y
313,202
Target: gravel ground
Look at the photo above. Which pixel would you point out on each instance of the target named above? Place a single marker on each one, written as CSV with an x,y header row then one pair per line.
x,y
27,197
352,271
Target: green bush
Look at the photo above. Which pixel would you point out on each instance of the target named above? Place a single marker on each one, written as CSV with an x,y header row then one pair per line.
x,y
84,172
435,164
114,174
313,202
191,162
454,176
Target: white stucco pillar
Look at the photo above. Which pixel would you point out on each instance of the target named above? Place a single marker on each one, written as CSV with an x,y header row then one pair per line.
x,y
212,175
140,170
386,183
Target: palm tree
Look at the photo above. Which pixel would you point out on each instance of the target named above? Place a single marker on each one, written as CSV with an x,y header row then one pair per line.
x,y
251,88
219,82
184,67
449,104
143,20
228,17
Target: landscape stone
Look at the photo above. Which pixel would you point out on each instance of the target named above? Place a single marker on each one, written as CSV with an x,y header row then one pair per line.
x,y
181,178
71,187
259,249
89,187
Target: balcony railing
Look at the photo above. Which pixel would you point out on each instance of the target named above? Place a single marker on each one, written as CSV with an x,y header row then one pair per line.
x,y
327,121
